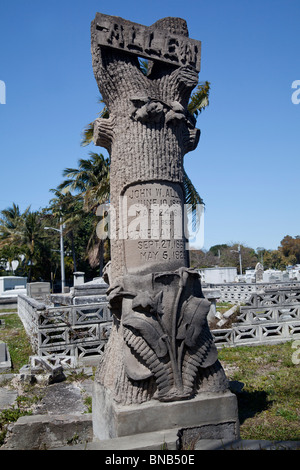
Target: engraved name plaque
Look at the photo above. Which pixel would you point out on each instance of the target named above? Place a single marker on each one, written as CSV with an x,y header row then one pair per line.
x,y
155,227
147,42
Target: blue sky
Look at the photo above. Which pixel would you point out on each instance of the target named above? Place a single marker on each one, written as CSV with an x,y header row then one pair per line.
x,y
246,166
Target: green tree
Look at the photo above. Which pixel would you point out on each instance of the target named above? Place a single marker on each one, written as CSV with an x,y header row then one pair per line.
x,y
273,259
66,210
203,259
31,238
90,181
10,225
199,99
217,249
8,254
23,234
10,234
230,257
290,249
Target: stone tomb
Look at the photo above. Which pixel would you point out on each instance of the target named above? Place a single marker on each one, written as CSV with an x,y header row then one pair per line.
x,y
160,367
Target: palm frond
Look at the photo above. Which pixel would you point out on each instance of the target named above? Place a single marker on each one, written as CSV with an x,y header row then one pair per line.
x,y
191,195
199,99
144,66
191,199
88,132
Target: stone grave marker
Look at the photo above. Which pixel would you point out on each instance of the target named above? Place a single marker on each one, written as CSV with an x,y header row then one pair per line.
x,y
5,361
38,290
160,360
259,272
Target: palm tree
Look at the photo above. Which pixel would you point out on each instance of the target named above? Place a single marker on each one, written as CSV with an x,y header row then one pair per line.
x,y
198,102
66,209
32,238
91,183
90,180
199,99
10,225
23,233
10,233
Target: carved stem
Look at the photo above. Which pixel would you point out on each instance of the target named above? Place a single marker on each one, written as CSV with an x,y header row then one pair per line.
x,y
177,367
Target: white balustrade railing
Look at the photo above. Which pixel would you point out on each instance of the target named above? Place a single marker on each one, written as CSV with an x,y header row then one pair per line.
x,y
74,330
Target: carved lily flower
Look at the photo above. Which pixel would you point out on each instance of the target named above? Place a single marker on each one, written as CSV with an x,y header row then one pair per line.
x,y
145,302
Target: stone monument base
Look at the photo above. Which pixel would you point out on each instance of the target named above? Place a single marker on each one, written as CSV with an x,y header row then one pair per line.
x,y
211,415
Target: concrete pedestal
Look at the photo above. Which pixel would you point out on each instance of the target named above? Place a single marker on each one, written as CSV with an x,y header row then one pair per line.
x,y
211,415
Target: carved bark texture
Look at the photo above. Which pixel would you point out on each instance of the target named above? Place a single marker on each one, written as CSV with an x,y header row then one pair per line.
x,y
149,129
160,345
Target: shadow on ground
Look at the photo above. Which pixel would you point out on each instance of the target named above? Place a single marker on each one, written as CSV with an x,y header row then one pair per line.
x,y
249,403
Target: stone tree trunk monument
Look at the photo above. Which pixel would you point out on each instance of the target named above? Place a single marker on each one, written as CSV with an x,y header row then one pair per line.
x,y
160,353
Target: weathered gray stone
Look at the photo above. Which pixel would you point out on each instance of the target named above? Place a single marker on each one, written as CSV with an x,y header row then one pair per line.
x,y
5,361
160,358
9,302
213,414
62,398
78,278
7,398
38,290
149,129
167,440
148,42
212,295
87,293
42,432
259,273
161,339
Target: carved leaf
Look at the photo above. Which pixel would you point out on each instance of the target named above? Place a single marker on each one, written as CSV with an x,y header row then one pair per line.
x,y
149,328
160,369
204,354
194,332
193,318
144,302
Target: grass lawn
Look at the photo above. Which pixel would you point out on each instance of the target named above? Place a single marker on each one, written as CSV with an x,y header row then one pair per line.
x,y
269,401
266,380
17,340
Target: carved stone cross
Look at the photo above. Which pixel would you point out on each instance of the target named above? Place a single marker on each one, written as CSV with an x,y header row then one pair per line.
x,y
160,345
